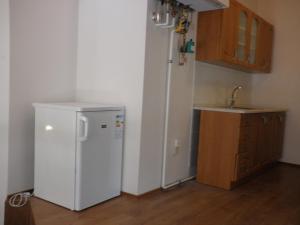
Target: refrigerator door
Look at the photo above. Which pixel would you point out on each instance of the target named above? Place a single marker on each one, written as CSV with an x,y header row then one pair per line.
x,y
98,157
55,145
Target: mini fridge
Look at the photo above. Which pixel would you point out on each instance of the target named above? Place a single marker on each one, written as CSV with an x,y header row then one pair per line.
x,y
78,153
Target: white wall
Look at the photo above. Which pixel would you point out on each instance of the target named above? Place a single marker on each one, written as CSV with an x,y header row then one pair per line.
x,y
153,114
281,87
43,64
214,85
251,4
111,59
4,101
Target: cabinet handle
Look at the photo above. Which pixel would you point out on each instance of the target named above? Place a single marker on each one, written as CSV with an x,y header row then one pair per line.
x,y
265,64
249,59
265,119
281,118
235,176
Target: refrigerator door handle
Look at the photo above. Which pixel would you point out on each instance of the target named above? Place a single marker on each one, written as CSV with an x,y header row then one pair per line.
x,y
84,121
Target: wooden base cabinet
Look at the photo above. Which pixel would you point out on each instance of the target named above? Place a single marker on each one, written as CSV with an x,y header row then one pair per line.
x,y
235,37
234,146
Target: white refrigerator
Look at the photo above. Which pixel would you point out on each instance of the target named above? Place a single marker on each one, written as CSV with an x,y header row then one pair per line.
x,y
78,153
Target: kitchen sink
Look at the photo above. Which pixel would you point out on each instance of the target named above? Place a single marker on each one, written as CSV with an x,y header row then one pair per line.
x,y
242,108
238,109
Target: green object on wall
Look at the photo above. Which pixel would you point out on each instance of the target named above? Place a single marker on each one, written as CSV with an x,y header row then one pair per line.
x,y
189,48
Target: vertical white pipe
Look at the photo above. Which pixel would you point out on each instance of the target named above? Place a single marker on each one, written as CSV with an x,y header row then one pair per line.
x,y
169,74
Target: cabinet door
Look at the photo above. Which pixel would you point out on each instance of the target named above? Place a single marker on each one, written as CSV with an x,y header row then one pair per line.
x,y
270,131
264,141
247,144
278,135
229,33
243,165
254,31
243,36
265,47
219,140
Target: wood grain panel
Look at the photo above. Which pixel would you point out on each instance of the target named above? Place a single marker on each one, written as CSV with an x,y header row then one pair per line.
x,y
208,35
229,33
217,39
219,143
265,47
234,146
18,216
270,199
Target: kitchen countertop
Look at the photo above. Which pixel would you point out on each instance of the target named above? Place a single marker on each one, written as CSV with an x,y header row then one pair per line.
x,y
237,109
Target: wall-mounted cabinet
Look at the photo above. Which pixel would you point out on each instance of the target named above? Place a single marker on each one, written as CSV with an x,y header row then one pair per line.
x,y
235,37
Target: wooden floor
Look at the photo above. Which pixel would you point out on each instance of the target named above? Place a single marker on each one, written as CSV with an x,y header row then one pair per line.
x,y
273,198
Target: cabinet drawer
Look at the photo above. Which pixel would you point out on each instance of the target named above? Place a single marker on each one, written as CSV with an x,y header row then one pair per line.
x,y
248,120
247,137
243,165
242,171
244,156
247,143
246,147
248,133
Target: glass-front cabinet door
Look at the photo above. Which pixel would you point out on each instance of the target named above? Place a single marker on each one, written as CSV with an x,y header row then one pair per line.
x,y
243,22
255,23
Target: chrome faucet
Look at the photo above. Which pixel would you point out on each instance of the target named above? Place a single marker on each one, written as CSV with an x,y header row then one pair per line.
x,y
232,99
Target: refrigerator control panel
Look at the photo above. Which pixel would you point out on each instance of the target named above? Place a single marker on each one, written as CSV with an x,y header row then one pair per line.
x,y
119,125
